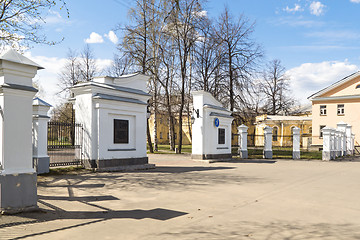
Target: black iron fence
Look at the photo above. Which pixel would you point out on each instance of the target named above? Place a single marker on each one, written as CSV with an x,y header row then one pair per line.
x,y
65,143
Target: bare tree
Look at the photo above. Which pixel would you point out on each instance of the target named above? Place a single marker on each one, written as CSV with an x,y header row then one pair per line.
x,y
70,74
207,58
122,65
182,22
276,88
240,54
87,64
21,21
136,42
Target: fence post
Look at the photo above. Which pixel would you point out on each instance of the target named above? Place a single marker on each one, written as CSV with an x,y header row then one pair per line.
x,y
242,131
268,154
333,144
327,153
352,144
348,139
296,143
40,136
341,126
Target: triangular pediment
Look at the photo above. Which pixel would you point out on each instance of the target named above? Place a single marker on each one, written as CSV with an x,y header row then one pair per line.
x,y
348,86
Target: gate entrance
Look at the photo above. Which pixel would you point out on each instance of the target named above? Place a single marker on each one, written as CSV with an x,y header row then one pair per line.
x,y
65,143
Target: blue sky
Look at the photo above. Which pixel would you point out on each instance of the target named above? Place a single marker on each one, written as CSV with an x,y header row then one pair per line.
x,y
317,41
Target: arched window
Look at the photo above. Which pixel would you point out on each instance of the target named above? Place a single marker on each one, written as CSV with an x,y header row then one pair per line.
x,y
275,133
357,86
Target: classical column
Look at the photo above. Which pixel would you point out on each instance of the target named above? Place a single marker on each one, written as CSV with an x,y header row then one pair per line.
x,y
268,154
352,144
296,143
348,139
327,144
341,126
242,131
40,133
332,144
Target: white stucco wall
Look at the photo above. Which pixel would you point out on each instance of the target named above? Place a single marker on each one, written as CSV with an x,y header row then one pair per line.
x,y
205,133
96,106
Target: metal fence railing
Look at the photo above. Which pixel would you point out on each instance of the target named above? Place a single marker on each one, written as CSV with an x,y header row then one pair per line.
x,y
65,143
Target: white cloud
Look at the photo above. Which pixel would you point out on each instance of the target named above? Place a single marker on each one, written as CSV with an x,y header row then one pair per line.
x,y
94,38
317,8
355,1
308,78
112,37
298,21
296,8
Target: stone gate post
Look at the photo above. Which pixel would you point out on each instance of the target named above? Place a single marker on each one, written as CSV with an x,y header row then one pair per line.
x,y
18,190
242,131
341,126
352,144
348,139
333,144
327,144
296,143
40,133
268,154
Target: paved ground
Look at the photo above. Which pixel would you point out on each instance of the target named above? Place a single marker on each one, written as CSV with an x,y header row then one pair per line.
x,y
182,199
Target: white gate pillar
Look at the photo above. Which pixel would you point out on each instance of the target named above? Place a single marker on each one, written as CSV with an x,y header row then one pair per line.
x,y
341,126
327,144
296,143
268,154
352,144
242,131
40,135
18,190
332,144
348,139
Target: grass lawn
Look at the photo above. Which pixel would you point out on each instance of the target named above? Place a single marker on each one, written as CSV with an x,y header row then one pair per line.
x,y
254,153
166,149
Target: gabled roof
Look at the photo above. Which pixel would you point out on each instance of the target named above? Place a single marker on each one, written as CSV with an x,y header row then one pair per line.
x,y
12,56
334,85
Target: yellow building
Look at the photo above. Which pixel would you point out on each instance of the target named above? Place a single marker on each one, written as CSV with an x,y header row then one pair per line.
x,y
282,129
163,129
335,103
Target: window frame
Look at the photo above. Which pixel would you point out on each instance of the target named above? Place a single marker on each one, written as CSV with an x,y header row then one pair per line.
x,y
321,127
275,136
221,136
323,110
341,109
116,139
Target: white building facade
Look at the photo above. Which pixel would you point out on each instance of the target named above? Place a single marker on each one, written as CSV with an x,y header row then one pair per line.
x,y
211,130
113,114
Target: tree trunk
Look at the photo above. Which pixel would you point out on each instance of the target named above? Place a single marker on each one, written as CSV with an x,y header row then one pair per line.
x,y
151,150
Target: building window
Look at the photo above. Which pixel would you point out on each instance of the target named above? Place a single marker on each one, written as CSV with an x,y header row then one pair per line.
x,y
275,134
161,137
161,120
322,110
310,130
340,109
357,86
221,136
121,131
321,127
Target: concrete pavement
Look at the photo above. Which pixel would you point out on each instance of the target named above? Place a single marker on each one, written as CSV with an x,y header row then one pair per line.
x,y
183,199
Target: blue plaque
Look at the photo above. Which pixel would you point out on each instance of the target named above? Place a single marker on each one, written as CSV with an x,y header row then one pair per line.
x,y
216,122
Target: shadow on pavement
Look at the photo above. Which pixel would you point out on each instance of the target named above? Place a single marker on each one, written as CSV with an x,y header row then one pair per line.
x,y
185,169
